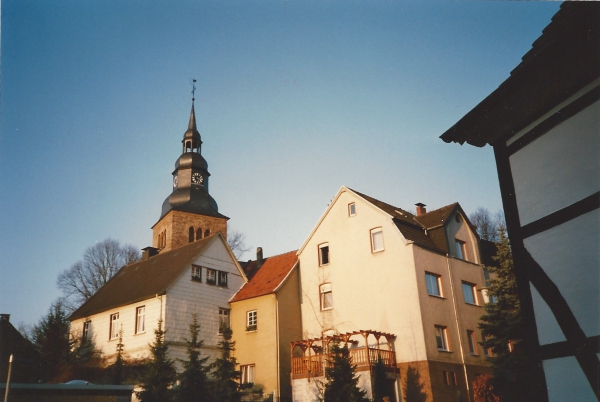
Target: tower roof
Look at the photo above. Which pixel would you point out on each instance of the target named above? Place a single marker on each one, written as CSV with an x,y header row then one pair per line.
x,y
192,131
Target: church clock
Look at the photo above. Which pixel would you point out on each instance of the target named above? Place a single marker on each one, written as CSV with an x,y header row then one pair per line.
x,y
197,178
175,180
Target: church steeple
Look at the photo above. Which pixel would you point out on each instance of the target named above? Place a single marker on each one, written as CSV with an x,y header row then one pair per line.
x,y
191,139
189,212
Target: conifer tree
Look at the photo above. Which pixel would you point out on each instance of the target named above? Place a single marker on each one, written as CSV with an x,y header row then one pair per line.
x,y
194,387
117,368
380,387
51,339
342,384
413,387
223,369
159,373
502,327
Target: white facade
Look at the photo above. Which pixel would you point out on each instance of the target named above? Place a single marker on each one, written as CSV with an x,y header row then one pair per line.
x,y
183,298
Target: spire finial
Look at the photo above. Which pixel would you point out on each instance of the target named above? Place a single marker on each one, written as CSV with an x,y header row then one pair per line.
x,y
193,89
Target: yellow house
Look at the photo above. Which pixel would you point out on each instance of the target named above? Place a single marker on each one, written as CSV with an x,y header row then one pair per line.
x,y
265,318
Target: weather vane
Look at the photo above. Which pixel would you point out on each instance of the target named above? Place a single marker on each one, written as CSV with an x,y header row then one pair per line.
x,y
193,89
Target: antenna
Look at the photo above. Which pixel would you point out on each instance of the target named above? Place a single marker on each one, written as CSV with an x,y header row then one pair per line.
x,y
193,88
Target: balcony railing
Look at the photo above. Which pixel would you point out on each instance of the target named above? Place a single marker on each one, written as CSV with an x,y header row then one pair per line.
x,y
362,357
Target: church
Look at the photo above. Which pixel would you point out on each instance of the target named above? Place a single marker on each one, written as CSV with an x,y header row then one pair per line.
x,y
406,288
190,269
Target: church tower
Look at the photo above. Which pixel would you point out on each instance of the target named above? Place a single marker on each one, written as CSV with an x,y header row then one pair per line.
x,y
189,213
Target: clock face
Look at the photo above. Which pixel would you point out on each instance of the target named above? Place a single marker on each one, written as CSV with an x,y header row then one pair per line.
x,y
197,178
175,180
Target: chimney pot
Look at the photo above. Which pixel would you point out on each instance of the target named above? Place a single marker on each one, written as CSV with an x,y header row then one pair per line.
x,y
259,257
421,208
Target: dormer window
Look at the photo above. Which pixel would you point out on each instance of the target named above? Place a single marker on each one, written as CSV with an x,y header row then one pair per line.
x,y
461,250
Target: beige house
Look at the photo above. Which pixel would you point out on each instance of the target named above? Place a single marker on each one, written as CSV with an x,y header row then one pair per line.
x,y
265,318
198,278
395,285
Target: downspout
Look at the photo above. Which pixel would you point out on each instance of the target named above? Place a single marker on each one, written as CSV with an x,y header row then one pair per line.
x,y
462,356
277,349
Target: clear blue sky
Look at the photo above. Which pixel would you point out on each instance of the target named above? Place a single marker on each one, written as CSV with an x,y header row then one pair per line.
x,y
294,100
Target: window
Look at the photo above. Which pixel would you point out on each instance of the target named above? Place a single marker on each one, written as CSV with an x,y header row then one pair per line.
x,y
191,234
461,250
434,284
211,276
472,342
215,277
140,320
198,234
376,240
351,209
326,296
223,319
222,279
251,320
324,254
487,351
196,273
441,337
86,335
114,326
247,372
450,378
469,292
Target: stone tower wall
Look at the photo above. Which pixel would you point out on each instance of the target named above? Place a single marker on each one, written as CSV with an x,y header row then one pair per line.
x,y
175,227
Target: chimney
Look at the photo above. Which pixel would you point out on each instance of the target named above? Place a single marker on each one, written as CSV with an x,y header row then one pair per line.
x,y
149,252
4,317
421,208
259,257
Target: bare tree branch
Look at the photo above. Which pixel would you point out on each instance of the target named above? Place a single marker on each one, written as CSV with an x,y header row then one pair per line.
x,y
99,263
236,242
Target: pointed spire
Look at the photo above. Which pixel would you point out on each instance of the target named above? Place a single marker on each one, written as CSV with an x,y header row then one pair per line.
x,y
192,123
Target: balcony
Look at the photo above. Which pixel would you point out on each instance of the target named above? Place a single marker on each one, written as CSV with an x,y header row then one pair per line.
x,y
309,357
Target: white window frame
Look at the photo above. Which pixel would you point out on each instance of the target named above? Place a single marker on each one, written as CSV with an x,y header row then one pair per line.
x,y
87,331
211,276
222,279
248,373
224,317
461,250
472,338
470,289
114,326
441,338
377,240
352,209
324,256
429,276
197,273
251,320
326,296
140,320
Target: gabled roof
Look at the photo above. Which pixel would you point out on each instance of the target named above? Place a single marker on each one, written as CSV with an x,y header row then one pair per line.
x,y
269,276
563,60
143,279
415,228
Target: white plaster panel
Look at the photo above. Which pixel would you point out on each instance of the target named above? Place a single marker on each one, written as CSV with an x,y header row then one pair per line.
x,y
569,255
559,168
547,327
566,381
